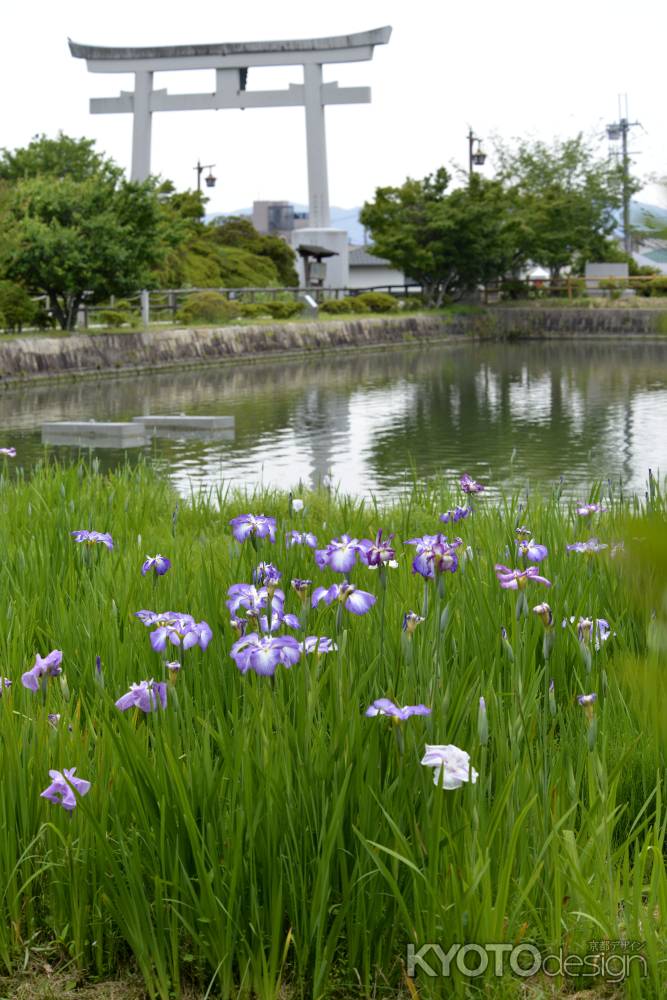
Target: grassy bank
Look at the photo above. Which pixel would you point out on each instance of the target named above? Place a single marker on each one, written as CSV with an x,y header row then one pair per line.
x,y
262,836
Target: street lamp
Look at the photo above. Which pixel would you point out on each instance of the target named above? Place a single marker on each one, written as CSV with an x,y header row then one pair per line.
x,y
476,157
209,180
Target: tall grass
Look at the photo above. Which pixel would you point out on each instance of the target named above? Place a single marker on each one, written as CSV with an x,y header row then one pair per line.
x,y
264,834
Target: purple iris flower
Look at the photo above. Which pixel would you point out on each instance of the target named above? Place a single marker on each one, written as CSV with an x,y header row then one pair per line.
x,y
263,654
49,666
160,565
258,525
587,699
62,788
531,550
545,613
340,554
182,630
521,531
517,579
200,634
239,625
9,452
434,555
468,484
301,588
278,619
253,599
93,537
411,620
356,601
384,706
146,695
160,618
586,509
455,515
266,574
597,629
317,644
589,548
301,538
4,684
379,552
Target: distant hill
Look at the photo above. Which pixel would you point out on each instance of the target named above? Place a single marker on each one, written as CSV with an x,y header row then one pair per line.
x,y
348,218
341,218
639,210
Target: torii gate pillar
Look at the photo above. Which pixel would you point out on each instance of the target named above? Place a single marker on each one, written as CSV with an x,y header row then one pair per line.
x,y
142,125
231,62
316,149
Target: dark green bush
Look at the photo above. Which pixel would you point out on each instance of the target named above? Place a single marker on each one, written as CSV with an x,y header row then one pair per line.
x,y
16,307
658,286
283,310
614,286
514,288
207,307
411,303
252,310
376,302
120,314
336,307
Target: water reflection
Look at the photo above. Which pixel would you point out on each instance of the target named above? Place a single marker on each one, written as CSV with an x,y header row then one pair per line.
x,y
519,413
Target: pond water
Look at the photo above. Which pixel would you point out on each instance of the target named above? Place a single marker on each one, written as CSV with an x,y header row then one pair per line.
x,y
522,414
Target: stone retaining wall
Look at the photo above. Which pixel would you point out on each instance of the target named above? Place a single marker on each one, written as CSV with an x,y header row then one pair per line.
x,y
80,353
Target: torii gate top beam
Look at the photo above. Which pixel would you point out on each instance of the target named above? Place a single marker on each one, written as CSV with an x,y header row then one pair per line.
x,y
336,48
231,61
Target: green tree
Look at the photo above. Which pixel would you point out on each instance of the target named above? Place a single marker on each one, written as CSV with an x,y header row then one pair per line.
x,y
59,157
448,242
70,234
564,200
69,239
238,232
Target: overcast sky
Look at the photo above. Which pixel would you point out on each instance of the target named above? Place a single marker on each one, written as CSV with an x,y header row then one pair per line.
x,y
517,68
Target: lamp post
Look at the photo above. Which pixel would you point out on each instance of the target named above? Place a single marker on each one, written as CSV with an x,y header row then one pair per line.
x,y
209,180
476,157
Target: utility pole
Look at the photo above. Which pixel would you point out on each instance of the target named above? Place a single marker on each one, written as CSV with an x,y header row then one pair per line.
x,y
615,131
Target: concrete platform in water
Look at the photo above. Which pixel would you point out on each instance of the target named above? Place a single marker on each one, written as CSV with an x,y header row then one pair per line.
x,y
92,434
179,426
181,422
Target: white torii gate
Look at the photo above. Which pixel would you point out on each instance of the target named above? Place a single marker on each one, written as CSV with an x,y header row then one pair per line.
x,y
231,62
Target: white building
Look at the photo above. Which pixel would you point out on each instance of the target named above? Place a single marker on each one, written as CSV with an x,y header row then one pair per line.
x,y
369,271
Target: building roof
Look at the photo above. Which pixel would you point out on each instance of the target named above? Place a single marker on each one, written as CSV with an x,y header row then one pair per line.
x,y
362,257
311,250
377,36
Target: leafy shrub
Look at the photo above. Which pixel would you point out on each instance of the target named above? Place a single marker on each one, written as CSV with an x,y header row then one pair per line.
x,y
411,303
336,307
578,286
283,310
514,288
121,314
16,307
251,310
614,286
207,307
375,302
658,286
